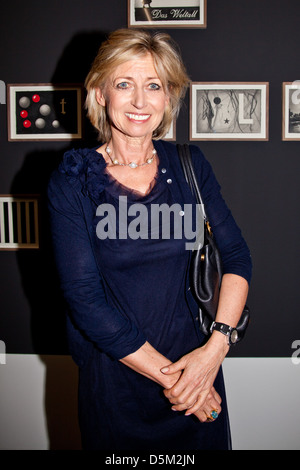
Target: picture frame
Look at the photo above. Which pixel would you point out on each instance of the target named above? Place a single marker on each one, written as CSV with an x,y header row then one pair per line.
x,y
19,221
229,111
44,111
167,13
291,111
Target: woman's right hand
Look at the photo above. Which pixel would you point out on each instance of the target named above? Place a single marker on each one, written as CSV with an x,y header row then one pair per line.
x,y
149,362
212,402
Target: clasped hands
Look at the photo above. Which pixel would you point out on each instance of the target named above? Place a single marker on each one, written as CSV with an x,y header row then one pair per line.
x,y
193,390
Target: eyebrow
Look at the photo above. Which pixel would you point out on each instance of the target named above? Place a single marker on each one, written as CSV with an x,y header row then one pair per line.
x,y
132,78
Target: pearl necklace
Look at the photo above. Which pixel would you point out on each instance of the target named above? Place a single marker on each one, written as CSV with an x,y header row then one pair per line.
x,y
131,164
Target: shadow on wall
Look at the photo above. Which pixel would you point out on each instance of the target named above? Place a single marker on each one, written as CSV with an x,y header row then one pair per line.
x,y
37,267
60,403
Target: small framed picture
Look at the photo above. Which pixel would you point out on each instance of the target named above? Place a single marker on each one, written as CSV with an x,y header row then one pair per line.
x,y
44,112
167,13
291,110
229,111
19,221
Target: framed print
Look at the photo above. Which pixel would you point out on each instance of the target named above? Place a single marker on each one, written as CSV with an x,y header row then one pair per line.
x,y
167,13
291,110
44,112
229,111
19,222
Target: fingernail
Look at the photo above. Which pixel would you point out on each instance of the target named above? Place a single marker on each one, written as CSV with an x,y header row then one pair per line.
x,y
164,369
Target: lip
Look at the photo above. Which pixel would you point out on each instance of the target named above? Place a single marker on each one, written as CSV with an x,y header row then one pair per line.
x,y
140,118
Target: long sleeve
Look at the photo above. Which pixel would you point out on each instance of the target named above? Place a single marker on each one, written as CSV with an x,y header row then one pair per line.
x,y
79,275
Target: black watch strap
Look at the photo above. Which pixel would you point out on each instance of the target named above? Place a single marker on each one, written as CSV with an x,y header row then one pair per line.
x,y
227,330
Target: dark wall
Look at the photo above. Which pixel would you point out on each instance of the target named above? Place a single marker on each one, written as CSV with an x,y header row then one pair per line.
x,y
55,41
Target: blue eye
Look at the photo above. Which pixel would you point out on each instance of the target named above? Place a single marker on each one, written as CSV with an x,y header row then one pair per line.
x,y
154,86
122,85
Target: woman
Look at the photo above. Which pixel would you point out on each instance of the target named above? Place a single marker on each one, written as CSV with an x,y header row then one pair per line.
x,y
148,380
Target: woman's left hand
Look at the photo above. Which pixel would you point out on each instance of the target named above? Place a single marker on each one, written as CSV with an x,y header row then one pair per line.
x,y
198,372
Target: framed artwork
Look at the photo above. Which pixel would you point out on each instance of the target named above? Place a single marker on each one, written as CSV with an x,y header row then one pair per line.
x,y
19,222
167,13
44,112
229,111
291,110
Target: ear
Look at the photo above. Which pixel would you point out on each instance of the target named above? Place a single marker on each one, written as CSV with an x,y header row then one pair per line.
x,y
167,98
100,97
167,102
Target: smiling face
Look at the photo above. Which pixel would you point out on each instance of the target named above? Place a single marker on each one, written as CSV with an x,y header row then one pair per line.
x,y
134,98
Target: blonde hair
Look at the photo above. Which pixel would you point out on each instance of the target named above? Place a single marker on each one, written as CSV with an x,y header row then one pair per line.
x,y
128,44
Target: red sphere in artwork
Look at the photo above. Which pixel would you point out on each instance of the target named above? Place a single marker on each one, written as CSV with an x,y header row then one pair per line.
x,y
23,114
36,98
26,123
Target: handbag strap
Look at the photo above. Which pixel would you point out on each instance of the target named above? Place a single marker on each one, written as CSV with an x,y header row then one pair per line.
x,y
189,174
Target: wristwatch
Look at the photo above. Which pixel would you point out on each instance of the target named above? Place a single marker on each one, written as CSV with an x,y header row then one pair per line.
x,y
229,331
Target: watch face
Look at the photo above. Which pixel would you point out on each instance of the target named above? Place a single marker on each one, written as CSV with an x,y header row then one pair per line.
x,y
234,336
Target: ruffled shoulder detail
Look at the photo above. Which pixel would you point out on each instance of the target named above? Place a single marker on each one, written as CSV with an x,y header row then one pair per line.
x,y
88,166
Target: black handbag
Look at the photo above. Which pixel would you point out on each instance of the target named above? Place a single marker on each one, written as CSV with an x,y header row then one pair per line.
x,y
206,264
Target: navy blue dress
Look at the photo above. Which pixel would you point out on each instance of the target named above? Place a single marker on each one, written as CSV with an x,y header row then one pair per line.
x,y
144,281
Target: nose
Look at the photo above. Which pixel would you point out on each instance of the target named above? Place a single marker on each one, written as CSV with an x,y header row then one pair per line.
x,y
139,98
